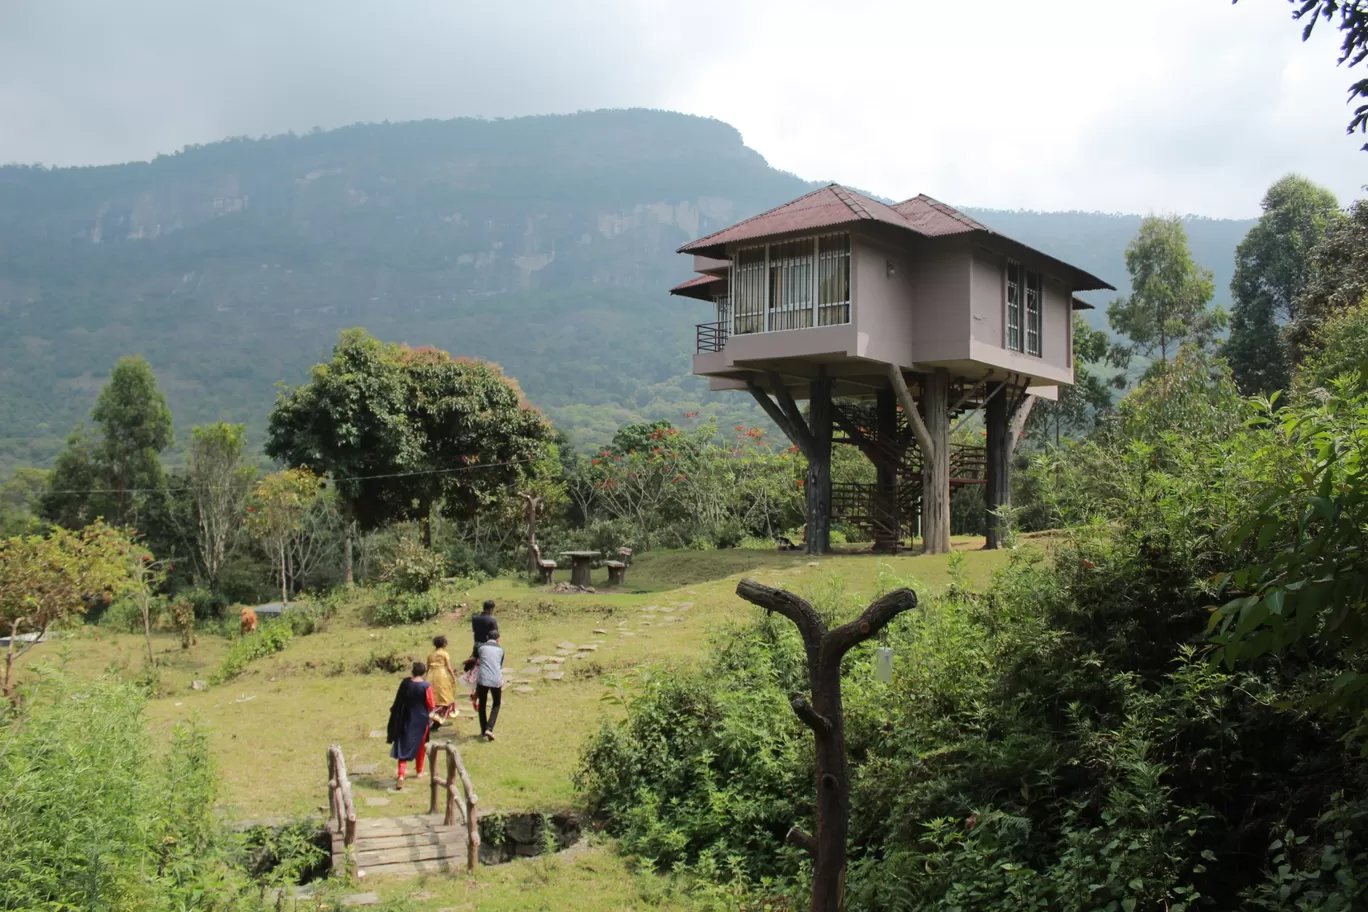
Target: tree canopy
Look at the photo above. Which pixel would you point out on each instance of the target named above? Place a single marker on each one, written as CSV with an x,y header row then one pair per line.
x,y
1170,292
401,430
1272,266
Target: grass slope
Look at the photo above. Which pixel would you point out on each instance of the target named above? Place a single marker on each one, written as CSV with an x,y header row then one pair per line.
x,y
272,725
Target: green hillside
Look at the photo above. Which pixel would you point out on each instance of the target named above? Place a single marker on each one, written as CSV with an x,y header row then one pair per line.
x,y
543,243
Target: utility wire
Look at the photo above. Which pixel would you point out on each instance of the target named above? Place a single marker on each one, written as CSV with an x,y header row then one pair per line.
x,y
334,480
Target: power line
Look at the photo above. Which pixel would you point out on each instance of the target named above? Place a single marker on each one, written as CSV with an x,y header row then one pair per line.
x,y
334,480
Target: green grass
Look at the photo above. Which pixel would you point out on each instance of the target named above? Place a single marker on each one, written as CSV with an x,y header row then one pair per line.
x,y
272,724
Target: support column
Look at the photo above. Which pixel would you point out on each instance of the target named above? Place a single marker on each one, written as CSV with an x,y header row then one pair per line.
x,y
887,540
997,490
819,465
936,463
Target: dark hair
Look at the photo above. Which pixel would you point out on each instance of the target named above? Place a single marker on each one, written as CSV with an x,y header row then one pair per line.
x,y
439,642
489,605
419,669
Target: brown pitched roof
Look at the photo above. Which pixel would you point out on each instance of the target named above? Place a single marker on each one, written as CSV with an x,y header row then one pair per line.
x,y
825,208
935,219
699,287
834,206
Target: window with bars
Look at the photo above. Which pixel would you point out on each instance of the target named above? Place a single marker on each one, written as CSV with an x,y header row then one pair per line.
x,y
791,285
1023,308
791,277
833,280
748,291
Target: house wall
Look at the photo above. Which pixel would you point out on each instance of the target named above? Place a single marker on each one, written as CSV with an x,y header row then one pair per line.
x,y
1055,324
941,286
987,302
882,304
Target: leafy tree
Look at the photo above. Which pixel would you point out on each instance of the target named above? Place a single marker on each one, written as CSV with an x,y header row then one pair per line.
x,y
135,425
1272,265
633,437
1338,351
219,481
279,504
1170,292
18,499
113,474
1079,406
403,430
1338,279
44,580
1353,26
147,576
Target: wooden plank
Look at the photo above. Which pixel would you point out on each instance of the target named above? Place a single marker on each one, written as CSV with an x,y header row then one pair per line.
x,y
456,837
408,853
408,869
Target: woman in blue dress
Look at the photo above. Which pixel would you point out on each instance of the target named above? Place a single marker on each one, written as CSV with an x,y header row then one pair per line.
x,y
409,720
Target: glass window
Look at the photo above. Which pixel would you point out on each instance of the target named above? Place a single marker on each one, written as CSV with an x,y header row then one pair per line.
x,y
790,273
833,280
748,291
1023,308
1014,271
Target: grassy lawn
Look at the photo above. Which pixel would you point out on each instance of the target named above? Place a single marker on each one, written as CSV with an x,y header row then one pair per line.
x,y
271,725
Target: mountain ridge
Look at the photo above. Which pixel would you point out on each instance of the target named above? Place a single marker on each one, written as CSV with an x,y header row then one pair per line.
x,y
544,243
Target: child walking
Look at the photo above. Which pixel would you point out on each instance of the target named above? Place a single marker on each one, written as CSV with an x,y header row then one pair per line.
x,y
489,682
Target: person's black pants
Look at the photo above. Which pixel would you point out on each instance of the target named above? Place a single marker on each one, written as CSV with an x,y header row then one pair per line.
x,y
482,693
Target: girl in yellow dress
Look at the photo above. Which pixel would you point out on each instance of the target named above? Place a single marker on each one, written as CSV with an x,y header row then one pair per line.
x,y
442,677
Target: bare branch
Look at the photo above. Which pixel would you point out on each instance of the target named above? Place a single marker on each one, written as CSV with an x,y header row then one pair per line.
x,y
796,837
803,615
777,415
795,417
820,724
841,640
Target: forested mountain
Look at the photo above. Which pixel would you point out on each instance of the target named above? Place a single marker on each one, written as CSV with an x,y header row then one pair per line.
x,y
543,243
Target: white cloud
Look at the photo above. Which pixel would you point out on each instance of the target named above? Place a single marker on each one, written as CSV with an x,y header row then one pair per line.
x,y
1166,105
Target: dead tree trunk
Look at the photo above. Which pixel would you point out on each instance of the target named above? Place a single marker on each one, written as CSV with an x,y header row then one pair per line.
x,y
823,714
996,492
533,503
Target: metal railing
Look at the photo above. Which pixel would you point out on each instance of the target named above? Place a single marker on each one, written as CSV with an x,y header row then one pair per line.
x,y
712,337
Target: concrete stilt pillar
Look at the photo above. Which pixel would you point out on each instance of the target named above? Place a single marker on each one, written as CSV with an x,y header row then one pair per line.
x,y
997,489
819,465
936,464
888,534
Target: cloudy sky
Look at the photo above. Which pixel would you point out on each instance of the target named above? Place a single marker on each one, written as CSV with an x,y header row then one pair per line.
x,y
1160,105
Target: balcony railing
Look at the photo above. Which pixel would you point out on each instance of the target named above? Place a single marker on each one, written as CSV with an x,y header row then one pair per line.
x,y
712,337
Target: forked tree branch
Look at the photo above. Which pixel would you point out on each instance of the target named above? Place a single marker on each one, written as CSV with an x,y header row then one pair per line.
x,y
882,610
804,616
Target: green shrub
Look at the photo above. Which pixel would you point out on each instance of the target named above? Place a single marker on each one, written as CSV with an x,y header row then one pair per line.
x,y
413,568
208,605
90,821
398,609
271,637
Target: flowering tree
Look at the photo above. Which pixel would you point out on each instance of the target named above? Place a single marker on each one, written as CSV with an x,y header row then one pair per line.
x,y
44,580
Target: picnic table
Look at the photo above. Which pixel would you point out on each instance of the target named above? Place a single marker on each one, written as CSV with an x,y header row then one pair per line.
x,y
580,563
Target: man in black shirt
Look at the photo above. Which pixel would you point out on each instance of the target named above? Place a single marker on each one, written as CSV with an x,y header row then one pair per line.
x,y
484,625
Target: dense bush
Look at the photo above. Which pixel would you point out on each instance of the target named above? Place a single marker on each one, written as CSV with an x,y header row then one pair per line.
x,y
412,568
398,608
270,638
1061,741
89,820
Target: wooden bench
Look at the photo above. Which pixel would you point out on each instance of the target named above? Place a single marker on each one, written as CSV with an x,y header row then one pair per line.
x,y
617,572
544,567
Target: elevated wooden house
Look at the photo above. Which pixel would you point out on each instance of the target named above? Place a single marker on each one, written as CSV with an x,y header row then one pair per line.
x,y
891,322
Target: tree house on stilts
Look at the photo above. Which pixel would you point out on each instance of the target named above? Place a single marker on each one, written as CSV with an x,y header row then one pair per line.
x,y
892,324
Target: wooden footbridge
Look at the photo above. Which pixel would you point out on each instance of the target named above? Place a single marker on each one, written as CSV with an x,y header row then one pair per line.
x,y
418,844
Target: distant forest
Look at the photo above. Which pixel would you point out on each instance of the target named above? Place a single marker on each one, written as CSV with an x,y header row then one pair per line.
x,y
543,243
